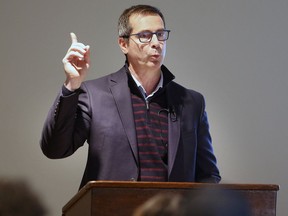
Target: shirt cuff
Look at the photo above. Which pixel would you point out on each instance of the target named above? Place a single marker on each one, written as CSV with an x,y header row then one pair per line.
x,y
67,92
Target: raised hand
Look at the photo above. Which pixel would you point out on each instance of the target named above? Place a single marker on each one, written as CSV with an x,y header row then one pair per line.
x,y
76,63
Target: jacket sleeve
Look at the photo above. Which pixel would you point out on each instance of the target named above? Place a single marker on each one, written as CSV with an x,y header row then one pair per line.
x,y
67,125
206,164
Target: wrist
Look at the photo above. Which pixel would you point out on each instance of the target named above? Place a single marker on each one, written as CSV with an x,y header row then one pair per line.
x,y
72,85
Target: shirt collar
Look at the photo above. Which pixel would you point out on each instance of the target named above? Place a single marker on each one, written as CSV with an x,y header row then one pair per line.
x,y
141,88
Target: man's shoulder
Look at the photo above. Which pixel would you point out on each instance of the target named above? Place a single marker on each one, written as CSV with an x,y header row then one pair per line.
x,y
176,88
104,80
179,94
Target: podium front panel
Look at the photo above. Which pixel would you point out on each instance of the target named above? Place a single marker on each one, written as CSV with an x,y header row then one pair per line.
x,y
104,198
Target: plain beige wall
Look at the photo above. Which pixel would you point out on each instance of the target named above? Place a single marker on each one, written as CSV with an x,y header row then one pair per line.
x,y
233,51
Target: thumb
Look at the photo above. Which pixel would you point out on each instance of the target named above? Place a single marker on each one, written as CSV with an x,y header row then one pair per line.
x,y
73,37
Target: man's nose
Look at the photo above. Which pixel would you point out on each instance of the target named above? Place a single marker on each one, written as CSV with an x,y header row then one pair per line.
x,y
154,40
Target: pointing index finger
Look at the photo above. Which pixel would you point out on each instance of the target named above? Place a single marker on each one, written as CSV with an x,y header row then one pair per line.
x,y
73,37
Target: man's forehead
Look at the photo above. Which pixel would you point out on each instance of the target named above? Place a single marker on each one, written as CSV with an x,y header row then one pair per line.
x,y
145,20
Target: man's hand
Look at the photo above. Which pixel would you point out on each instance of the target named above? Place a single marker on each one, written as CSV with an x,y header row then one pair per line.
x,y
76,63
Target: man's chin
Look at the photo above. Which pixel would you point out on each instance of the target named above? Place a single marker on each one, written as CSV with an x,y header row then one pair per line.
x,y
155,63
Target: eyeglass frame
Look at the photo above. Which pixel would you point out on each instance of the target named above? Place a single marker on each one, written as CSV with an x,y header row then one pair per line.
x,y
152,33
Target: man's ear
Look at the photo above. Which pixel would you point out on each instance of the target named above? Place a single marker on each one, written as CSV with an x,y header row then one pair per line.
x,y
123,45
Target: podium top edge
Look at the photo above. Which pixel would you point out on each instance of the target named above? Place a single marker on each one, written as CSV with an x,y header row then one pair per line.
x,y
178,185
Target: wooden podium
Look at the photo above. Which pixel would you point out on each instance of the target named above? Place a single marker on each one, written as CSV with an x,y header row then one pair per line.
x,y
108,198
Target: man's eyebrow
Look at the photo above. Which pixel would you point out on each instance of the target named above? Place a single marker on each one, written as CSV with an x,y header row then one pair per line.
x,y
147,30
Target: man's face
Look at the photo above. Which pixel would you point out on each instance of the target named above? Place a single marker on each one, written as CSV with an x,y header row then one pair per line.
x,y
145,55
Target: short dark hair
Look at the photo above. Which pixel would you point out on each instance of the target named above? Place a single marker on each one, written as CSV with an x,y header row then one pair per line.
x,y
124,27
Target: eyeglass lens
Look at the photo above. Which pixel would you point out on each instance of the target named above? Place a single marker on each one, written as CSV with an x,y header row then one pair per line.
x,y
147,36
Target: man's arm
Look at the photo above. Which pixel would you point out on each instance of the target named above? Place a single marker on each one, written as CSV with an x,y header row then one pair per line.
x,y
67,124
207,170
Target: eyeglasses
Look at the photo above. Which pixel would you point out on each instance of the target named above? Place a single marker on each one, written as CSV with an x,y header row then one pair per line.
x,y
146,36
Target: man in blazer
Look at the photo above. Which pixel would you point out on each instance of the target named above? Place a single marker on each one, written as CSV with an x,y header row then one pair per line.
x,y
139,124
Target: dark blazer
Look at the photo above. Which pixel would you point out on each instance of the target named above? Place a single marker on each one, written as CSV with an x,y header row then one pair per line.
x,y
100,112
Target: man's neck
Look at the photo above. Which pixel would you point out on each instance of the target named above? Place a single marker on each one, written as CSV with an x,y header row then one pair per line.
x,y
149,79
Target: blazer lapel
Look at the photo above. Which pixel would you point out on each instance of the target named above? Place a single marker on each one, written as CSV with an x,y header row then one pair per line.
x,y
121,93
174,123
173,135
